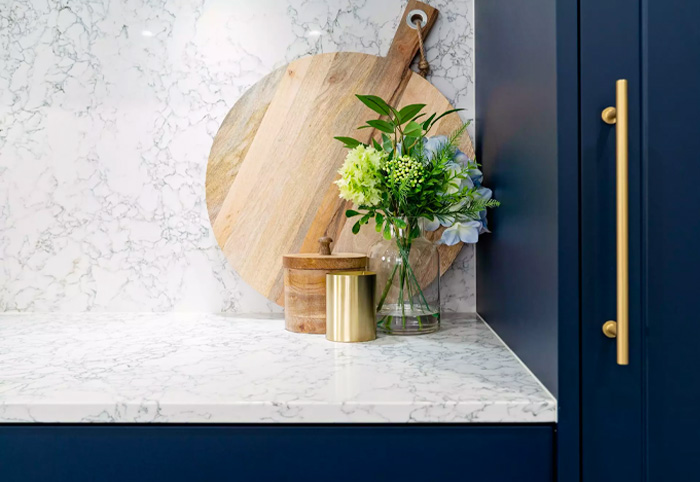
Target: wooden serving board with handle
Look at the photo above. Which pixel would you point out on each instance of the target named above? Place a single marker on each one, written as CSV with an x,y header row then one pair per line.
x,y
271,169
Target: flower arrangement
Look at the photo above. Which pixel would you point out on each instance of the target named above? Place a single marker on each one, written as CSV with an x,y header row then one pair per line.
x,y
411,176
407,181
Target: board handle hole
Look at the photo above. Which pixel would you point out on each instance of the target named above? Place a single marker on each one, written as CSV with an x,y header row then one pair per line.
x,y
414,17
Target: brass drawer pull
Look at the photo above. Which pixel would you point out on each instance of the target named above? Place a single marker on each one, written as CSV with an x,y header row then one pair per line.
x,y
618,115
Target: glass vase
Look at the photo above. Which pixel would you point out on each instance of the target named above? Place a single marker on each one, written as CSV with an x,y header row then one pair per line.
x,y
408,281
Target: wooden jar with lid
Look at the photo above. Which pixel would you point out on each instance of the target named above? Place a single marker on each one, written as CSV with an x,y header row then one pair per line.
x,y
305,285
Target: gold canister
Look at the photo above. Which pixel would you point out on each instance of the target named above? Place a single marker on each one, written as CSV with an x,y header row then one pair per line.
x,y
350,306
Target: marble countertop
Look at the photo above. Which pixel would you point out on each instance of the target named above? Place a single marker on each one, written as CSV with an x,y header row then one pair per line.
x,y
216,368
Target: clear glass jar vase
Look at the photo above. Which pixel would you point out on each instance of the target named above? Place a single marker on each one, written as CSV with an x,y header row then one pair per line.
x,y
408,281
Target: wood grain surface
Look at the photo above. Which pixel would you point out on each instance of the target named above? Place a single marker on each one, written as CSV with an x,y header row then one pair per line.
x,y
305,285
269,184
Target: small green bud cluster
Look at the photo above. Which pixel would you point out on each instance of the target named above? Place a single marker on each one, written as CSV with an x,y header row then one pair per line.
x,y
405,170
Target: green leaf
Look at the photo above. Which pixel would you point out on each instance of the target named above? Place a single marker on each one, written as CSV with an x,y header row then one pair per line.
x,y
410,142
413,129
444,114
426,124
377,104
415,231
349,142
386,141
378,227
387,231
350,213
382,125
380,218
395,113
365,218
400,223
356,228
377,145
409,111
418,116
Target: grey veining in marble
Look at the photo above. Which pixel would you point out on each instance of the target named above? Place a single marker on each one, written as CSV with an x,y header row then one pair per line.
x,y
220,368
107,113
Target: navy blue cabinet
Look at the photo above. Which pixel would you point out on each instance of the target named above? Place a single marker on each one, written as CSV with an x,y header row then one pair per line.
x,y
548,277
77,453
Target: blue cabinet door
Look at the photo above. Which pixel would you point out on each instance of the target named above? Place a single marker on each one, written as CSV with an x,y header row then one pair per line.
x,y
640,421
671,237
290,453
611,408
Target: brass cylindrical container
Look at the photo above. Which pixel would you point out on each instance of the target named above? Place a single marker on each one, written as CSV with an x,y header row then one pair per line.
x,y
350,306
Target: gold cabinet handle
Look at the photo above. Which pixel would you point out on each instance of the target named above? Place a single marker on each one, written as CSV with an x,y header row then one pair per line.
x,y
618,115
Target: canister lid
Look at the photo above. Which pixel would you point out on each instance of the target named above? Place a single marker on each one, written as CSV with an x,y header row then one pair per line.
x,y
324,259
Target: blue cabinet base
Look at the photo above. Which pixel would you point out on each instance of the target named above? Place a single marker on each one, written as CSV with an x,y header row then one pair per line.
x,y
339,453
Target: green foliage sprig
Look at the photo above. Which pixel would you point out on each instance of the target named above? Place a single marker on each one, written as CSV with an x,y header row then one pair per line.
x,y
401,124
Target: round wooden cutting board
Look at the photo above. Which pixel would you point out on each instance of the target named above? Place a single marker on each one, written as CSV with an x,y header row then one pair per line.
x,y
271,169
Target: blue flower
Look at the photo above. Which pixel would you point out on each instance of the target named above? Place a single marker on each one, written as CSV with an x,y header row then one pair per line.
x,y
447,220
484,193
455,170
462,158
432,145
459,228
466,232
467,182
431,225
477,176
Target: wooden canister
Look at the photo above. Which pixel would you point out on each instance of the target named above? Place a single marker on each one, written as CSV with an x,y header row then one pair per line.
x,y
305,285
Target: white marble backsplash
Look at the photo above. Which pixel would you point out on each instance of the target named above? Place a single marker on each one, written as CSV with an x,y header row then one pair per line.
x,y
107,113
